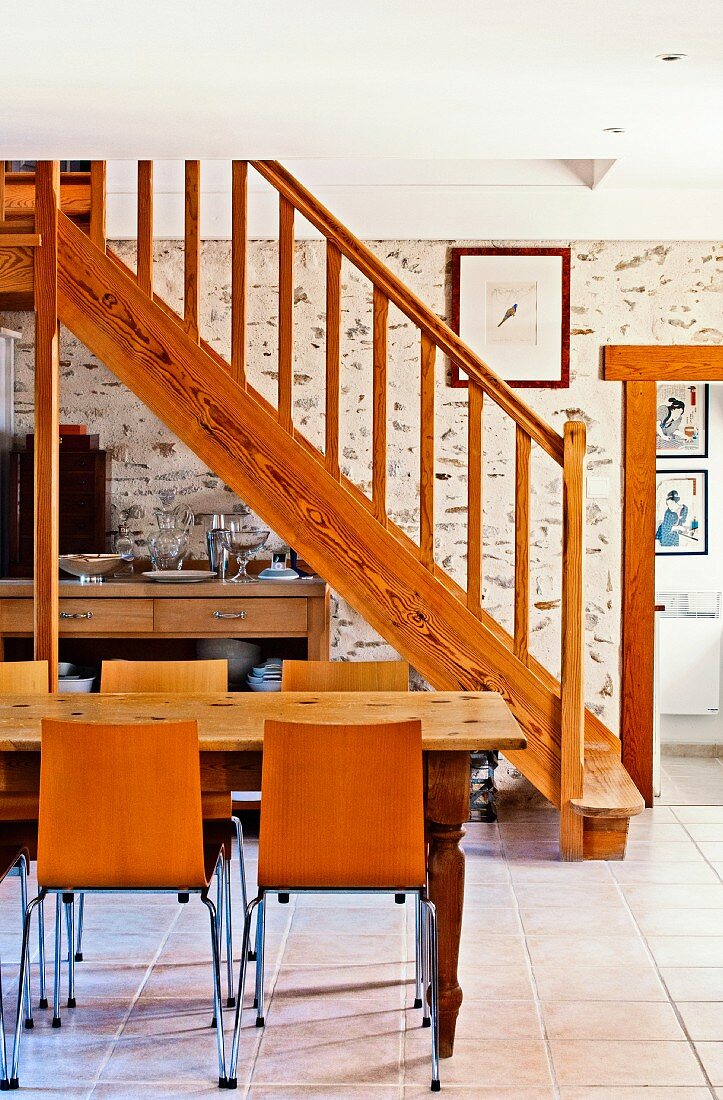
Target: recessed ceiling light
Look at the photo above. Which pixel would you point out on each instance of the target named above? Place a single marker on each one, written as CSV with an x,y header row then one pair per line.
x,y
613,130
671,56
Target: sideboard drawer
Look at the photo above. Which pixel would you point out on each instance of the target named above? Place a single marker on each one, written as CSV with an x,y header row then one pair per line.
x,y
99,617
254,617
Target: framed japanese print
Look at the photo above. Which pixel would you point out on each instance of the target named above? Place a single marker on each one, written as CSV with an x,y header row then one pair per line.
x,y
681,420
681,512
512,307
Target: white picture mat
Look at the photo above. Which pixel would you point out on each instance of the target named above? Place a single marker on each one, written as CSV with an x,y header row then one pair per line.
x,y
514,362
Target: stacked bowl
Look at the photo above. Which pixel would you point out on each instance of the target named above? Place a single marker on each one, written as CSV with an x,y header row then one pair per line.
x,y
267,676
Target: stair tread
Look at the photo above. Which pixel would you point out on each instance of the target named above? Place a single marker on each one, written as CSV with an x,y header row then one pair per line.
x,y
608,790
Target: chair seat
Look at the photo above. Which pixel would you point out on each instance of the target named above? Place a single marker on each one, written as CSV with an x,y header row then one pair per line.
x,y
9,856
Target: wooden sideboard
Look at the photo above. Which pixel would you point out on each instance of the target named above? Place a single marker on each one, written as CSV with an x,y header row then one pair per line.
x,y
134,608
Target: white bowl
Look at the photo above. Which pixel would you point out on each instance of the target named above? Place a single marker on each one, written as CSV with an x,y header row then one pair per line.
x,y
74,678
89,565
265,685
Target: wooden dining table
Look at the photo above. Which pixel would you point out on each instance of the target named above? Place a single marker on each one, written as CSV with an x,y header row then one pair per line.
x,y
231,736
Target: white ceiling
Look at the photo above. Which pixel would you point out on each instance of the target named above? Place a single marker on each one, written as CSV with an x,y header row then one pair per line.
x,y
386,94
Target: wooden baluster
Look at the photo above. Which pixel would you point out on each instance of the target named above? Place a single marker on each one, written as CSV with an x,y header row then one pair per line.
x,y
286,313
426,453
144,266
47,417
192,248
239,236
475,452
2,192
522,545
379,420
333,356
572,749
98,203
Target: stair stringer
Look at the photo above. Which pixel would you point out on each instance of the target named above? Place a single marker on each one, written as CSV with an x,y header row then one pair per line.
x,y
248,449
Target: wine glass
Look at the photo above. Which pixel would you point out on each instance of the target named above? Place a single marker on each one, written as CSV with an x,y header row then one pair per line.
x,y
243,542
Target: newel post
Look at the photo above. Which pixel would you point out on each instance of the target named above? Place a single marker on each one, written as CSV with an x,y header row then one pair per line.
x,y
572,739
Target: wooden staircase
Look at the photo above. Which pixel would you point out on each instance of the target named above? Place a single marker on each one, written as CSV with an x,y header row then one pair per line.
x,y
395,582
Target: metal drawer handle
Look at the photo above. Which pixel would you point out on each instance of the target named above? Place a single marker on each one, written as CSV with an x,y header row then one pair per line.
x,y
76,614
229,614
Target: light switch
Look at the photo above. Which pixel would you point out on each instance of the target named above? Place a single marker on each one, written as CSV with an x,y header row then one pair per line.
x,y
598,487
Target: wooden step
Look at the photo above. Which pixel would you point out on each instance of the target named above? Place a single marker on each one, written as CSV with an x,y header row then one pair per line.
x,y
609,799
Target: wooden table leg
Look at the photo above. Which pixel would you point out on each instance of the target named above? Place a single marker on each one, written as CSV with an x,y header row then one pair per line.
x,y
448,778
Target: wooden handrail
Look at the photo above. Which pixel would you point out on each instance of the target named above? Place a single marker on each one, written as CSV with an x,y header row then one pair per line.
x,y
144,261
239,235
286,313
572,728
379,402
192,252
426,453
413,307
522,545
333,354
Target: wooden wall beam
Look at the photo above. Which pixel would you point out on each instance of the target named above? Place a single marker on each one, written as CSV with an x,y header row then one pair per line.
x,y
47,418
663,362
637,715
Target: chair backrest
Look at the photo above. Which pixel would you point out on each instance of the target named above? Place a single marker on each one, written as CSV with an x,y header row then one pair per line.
x,y
342,806
345,676
120,806
23,677
164,676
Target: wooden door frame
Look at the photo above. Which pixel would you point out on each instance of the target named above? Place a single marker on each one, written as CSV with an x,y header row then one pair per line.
x,y
639,368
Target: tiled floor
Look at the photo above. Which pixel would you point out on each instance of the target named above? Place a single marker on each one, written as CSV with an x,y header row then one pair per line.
x,y
691,781
589,981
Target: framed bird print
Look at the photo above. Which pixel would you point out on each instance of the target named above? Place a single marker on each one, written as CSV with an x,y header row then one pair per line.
x,y
512,307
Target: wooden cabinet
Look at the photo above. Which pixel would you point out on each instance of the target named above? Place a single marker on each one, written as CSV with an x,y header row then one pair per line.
x,y
135,608
84,506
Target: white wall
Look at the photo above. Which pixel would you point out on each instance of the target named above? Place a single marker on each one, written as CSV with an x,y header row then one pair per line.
x,y
704,573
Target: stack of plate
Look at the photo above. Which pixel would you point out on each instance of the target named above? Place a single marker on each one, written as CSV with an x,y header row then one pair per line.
x,y
266,677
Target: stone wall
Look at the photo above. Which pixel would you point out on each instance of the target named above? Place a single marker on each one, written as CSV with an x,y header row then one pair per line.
x,y
621,292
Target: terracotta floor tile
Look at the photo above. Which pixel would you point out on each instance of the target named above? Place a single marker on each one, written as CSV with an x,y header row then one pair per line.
x,y
586,950
703,1020
517,1063
619,1020
608,983
641,896
672,874
306,1055
679,922
687,950
711,1055
495,1019
675,1092
613,1064
689,983
583,920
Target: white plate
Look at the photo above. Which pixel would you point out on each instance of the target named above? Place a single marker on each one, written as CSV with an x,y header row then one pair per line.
x,y
179,576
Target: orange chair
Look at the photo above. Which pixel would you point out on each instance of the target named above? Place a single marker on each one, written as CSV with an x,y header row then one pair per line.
x,y
118,776
24,678
184,677
356,676
345,676
311,838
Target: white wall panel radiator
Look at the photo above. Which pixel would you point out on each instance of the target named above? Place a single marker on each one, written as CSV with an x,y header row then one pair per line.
x,y
690,639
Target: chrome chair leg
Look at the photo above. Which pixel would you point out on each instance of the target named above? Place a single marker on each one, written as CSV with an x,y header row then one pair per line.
x,y
432,957
230,998
43,1002
417,951
425,967
13,1082
218,1009
56,971
242,871
245,957
23,872
218,918
260,944
4,1083
79,933
70,928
